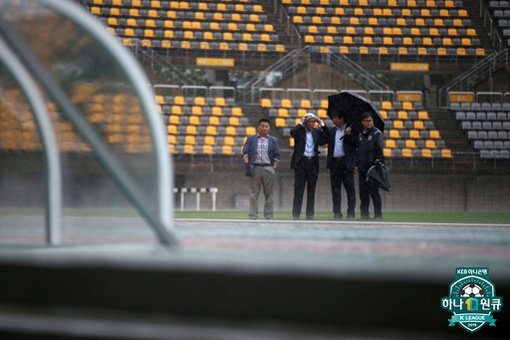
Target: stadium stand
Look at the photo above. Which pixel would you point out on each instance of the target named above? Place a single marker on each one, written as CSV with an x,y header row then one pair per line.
x,y
204,125
190,25
500,11
486,126
409,131
386,27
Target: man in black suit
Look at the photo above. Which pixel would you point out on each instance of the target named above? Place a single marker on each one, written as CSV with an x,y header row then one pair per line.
x,y
341,162
305,161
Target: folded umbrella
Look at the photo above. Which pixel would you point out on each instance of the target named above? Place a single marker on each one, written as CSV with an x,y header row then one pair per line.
x,y
379,176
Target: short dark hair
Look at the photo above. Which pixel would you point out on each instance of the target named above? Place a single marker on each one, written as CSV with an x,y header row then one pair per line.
x,y
366,115
264,120
338,114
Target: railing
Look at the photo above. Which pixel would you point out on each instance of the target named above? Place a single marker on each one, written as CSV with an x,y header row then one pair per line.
x,y
161,66
283,18
493,30
346,67
285,67
469,79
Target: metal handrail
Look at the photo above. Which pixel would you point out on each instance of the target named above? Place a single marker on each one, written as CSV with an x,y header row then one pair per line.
x,y
355,72
470,78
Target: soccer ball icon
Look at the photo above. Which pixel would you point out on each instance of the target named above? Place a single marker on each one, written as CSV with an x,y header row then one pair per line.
x,y
471,290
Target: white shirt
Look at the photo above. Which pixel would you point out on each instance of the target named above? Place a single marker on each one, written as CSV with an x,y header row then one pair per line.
x,y
309,147
339,142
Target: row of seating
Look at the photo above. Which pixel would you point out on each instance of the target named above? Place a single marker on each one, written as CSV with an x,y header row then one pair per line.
x,y
204,124
408,31
187,24
482,115
199,35
391,41
183,15
378,11
385,29
227,5
389,3
487,127
479,106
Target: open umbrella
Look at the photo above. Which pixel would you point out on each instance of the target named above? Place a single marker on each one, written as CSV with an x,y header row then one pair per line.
x,y
379,176
352,105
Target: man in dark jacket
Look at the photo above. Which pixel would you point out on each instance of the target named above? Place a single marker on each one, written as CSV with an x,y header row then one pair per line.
x,y
370,148
305,162
341,162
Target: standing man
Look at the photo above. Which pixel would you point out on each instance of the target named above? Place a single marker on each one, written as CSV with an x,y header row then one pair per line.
x,y
261,156
305,162
341,163
370,147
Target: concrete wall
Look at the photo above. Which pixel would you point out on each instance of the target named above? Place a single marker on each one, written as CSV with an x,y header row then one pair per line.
x,y
410,192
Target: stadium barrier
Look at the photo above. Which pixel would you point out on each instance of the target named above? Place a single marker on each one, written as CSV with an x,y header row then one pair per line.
x,y
197,192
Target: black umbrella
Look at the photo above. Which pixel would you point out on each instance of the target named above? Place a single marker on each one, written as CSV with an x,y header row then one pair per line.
x,y
379,176
352,105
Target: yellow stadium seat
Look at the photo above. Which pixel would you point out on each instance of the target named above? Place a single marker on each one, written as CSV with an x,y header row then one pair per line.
x,y
234,121
179,100
322,113
410,143
214,120
423,115
407,106
191,130
328,39
395,134
189,149
406,152
387,105
190,140
175,120
390,143
309,39
209,140
418,125
237,111
286,103
200,101
414,134
176,110
388,153
171,129
230,131
312,30
401,114
217,111
269,28
446,153
384,114
430,144
250,130
194,120
211,130
291,142
229,140
426,153
398,124
247,37
265,103
280,122
434,134
220,101
207,149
